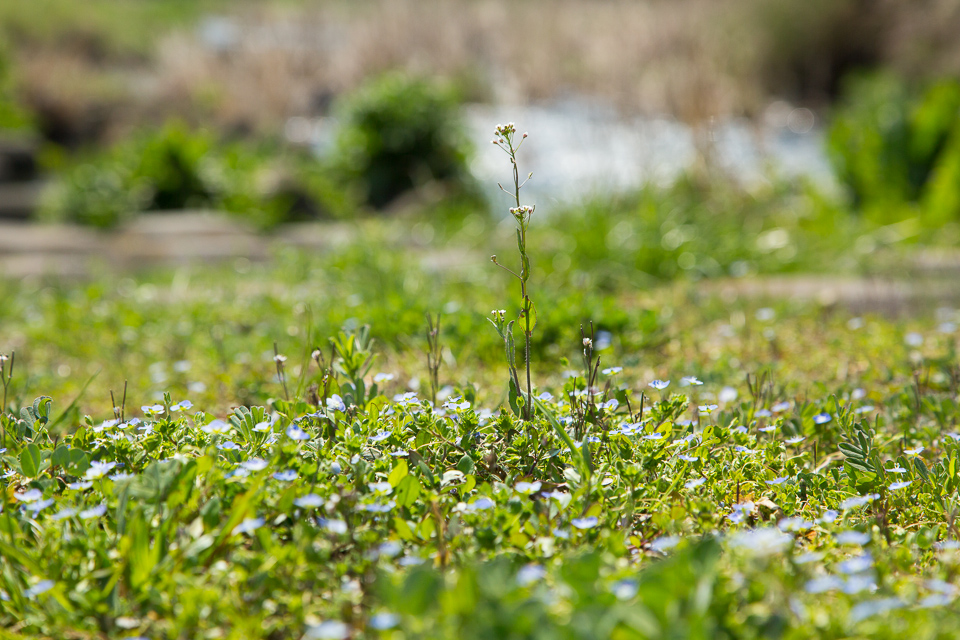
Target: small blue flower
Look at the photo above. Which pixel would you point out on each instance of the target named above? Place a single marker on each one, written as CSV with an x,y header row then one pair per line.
x,y
625,589
664,543
779,480
255,464
183,405
328,630
612,371
98,469
93,512
152,410
794,524
763,413
660,385
380,436
390,549
585,523
384,621
707,408
852,537
857,564
696,482
41,587
530,574
822,418
335,526
808,557
915,451
824,584
285,476
479,504
687,458
296,433
335,402
309,501
378,507
64,513
900,485
868,608
795,440
382,488
828,516
31,495
37,507
528,487
688,381
858,501
229,445
546,396
248,526
216,426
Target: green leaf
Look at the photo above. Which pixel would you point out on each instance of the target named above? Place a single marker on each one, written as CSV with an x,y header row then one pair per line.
x,y
407,491
30,460
852,451
78,461
466,465
514,396
399,473
61,456
565,437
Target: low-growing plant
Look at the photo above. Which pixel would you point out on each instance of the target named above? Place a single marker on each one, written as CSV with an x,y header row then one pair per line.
x,y
898,150
348,506
179,168
399,133
506,140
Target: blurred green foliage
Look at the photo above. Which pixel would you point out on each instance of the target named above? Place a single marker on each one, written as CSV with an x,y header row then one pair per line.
x,y
399,133
177,168
697,229
13,116
898,150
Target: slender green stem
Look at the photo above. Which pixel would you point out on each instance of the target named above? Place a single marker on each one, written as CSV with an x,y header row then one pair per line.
x,y
505,140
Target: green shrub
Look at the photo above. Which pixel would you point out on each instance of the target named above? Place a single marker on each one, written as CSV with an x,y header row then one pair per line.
x,y
399,133
899,151
176,168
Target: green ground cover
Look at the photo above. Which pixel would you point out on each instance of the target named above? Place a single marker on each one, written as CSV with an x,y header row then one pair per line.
x,y
287,449
806,489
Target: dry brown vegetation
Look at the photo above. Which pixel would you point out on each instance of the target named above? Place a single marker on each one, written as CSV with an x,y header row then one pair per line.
x,y
694,59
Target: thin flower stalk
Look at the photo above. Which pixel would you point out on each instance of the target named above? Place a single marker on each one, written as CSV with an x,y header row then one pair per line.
x,y
505,139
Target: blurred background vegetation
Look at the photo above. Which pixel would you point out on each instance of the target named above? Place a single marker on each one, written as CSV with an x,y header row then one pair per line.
x,y
289,111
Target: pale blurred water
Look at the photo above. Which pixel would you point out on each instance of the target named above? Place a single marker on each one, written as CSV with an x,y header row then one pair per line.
x,y
577,149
